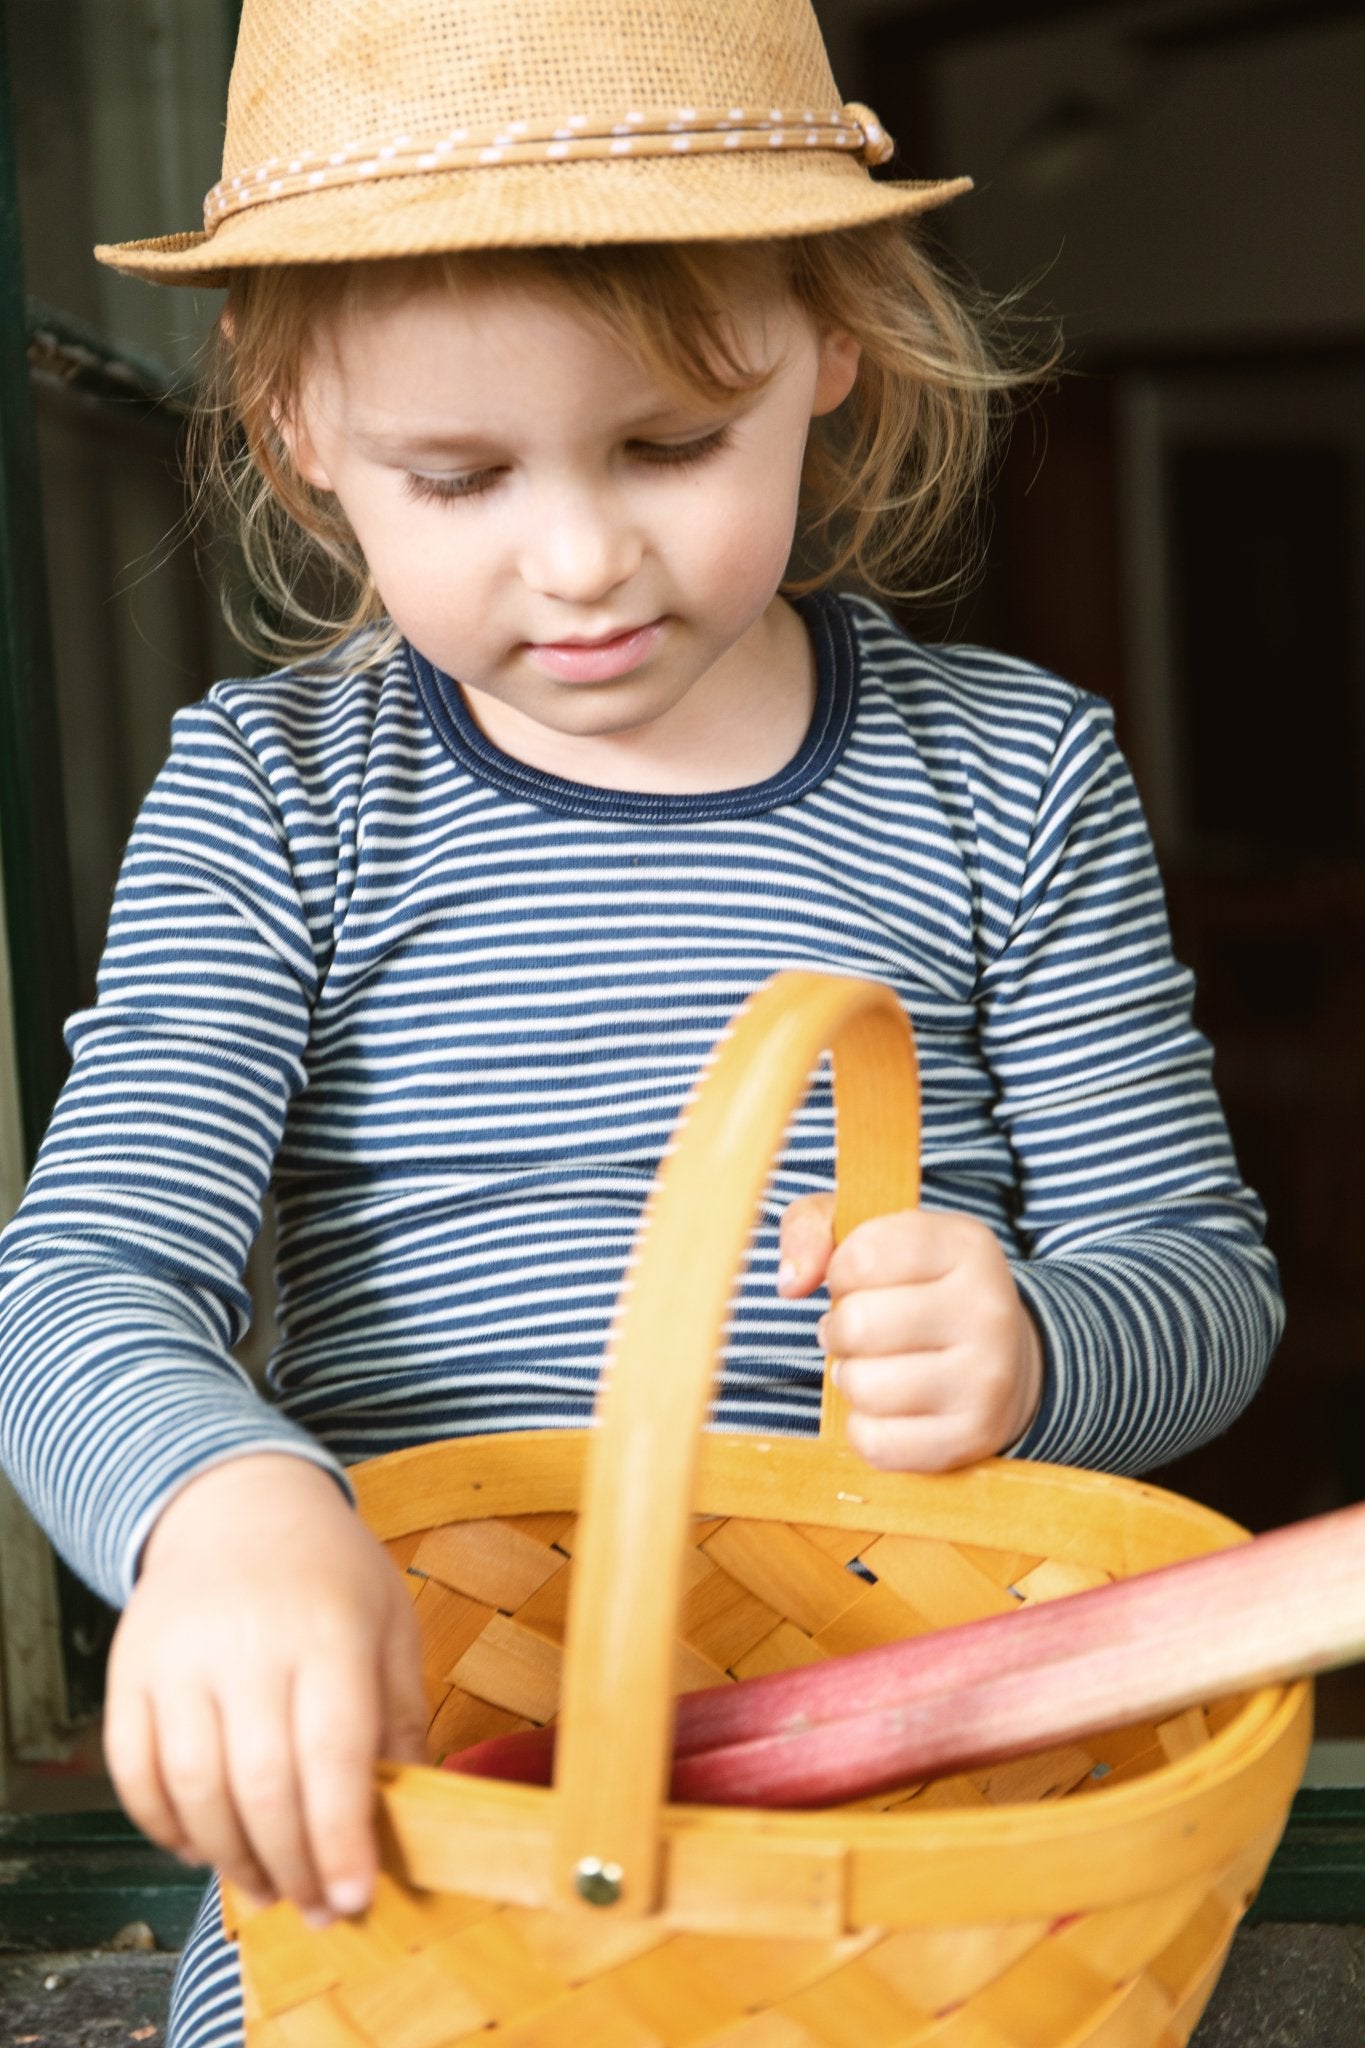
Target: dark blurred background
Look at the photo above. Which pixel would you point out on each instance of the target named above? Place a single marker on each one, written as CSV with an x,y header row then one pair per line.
x,y
1177,524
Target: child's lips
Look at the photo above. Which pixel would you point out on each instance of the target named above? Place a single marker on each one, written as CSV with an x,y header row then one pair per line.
x,y
596,661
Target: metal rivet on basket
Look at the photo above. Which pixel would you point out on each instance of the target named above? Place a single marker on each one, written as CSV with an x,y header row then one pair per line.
x,y
598,1882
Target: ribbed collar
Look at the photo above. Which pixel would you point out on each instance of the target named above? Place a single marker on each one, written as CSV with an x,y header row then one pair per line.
x,y
836,699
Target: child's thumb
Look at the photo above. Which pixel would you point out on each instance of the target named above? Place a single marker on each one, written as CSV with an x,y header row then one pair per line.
x,y
805,1243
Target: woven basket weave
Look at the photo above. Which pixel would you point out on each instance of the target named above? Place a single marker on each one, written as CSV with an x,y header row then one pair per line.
x,y
1085,1896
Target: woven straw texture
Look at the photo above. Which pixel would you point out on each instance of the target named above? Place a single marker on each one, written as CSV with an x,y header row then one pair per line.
x,y
1084,1896
334,71
313,77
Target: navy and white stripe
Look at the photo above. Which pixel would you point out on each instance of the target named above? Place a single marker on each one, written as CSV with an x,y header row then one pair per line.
x,y
453,1005
206,1995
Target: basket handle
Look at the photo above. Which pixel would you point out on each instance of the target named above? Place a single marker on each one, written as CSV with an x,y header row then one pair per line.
x,y
616,1705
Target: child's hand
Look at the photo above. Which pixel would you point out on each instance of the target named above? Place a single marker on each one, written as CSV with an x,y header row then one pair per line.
x,y
939,1359
268,1656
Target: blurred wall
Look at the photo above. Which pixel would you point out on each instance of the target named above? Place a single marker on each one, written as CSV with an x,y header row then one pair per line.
x,y
1165,189
1179,524
118,109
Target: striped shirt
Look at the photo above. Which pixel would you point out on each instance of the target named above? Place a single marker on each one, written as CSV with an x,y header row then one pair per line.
x,y
452,1006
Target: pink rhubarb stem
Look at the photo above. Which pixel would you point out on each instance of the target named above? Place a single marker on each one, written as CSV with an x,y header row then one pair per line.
x,y
1286,1604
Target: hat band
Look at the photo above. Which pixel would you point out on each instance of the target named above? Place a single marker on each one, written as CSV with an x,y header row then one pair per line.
x,y
681,131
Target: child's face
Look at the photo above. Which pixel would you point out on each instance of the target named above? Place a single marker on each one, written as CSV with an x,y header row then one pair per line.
x,y
582,549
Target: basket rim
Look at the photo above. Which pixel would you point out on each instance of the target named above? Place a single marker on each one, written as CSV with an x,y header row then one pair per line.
x,y
1261,1722
1245,1774
822,1874
406,1490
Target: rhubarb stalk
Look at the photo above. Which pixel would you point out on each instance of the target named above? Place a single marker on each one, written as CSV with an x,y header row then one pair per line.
x,y
1281,1606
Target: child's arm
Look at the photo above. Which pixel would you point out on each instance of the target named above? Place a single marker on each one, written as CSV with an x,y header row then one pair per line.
x,y
121,1275
1143,1280
268,1654
251,1586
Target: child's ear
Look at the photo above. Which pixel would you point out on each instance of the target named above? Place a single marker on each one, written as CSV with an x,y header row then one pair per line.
x,y
838,370
292,429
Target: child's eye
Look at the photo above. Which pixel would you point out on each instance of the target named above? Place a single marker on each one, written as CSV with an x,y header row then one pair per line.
x,y
471,484
676,454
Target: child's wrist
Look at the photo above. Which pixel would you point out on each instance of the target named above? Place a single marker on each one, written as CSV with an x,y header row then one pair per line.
x,y
221,1493
1031,1374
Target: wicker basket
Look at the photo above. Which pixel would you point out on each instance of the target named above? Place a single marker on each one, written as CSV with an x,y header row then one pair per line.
x,y
1083,1896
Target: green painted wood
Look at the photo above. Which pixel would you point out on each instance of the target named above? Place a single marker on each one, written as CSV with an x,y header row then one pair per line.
x,y
1318,1871
73,1880
33,840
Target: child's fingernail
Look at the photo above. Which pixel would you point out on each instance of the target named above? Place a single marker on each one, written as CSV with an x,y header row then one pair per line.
x,y
786,1275
822,1331
348,1895
836,1368
317,1917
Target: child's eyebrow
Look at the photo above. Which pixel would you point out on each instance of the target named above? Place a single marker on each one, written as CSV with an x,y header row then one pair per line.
x,y
675,419
438,442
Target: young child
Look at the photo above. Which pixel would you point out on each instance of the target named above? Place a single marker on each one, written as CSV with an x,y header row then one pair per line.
x,y
549,330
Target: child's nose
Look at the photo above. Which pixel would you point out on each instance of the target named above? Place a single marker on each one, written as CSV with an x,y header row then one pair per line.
x,y
581,547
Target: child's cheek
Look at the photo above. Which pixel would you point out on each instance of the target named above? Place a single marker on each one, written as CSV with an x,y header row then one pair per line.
x,y
750,546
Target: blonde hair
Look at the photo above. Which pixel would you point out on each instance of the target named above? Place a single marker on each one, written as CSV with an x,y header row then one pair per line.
x,y
891,481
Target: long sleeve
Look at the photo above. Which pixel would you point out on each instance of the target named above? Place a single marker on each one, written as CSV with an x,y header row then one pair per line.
x,y
457,1009
1155,1295
121,1287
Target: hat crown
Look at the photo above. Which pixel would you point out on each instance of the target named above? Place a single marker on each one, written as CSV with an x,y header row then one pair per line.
x,y
322,75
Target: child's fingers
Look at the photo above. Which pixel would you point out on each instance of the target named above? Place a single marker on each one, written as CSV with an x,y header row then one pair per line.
x,y
385,1714
337,1723
929,1410
805,1241
267,1770
129,1738
906,1248
882,1322
909,1387
189,1740
914,1443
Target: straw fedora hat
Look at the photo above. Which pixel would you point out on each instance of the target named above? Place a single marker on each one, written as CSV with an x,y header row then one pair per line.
x,y
370,128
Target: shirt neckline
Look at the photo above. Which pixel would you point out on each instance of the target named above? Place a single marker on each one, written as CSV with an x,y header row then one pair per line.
x,y
836,698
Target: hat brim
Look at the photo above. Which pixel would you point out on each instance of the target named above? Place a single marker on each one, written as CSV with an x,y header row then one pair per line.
x,y
705,199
